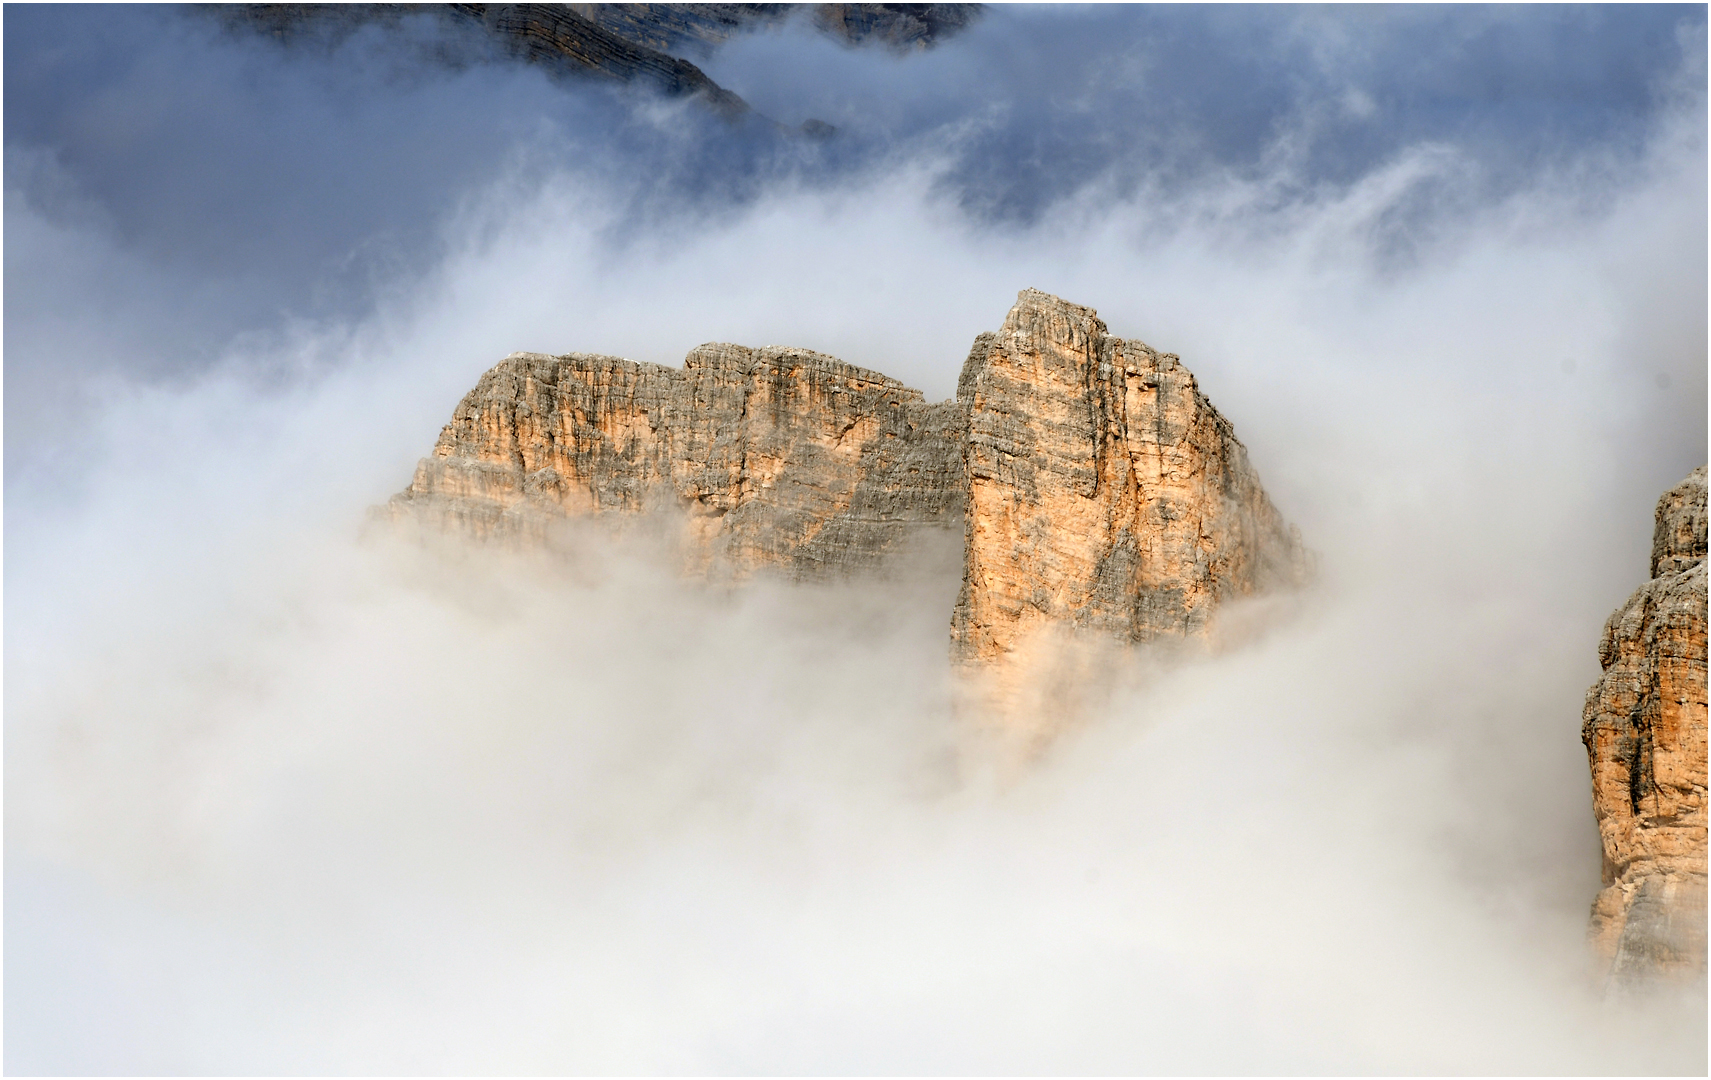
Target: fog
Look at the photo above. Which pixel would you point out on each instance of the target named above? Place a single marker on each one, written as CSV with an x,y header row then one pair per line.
x,y
288,793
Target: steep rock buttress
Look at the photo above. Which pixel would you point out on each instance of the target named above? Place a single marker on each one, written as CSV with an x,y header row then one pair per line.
x,y
1644,730
1104,492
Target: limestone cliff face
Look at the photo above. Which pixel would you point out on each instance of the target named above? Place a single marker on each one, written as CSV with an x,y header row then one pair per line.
x,y
1104,491
1644,730
781,458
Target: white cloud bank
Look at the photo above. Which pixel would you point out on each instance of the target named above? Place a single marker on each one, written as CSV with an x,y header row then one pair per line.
x,y
283,796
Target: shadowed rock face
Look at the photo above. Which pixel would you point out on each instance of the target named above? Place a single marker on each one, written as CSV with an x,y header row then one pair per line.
x,y
1644,730
1103,492
674,27
903,27
625,42
561,38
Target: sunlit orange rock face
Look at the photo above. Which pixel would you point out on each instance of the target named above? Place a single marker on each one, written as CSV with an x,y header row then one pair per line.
x,y
1644,730
777,458
1107,501
1105,493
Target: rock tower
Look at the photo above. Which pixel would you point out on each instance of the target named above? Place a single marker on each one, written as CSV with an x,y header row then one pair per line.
x,y
1644,730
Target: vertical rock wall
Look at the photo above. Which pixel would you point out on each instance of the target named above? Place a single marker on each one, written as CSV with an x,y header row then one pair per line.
x,y
1104,491
1644,730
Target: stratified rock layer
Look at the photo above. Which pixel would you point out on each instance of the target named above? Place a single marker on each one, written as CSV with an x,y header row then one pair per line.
x,y
1644,730
1104,491
781,457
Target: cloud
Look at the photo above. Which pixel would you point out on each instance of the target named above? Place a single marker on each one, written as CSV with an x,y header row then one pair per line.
x,y
284,793
1037,104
